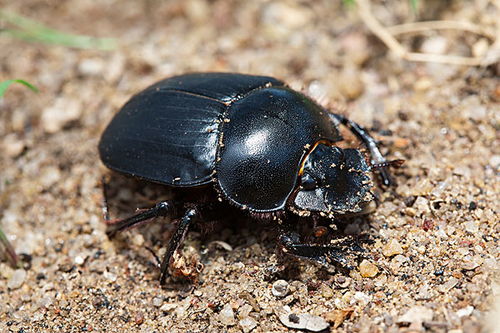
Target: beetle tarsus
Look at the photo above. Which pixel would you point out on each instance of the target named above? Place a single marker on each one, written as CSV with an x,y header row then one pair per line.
x,y
190,215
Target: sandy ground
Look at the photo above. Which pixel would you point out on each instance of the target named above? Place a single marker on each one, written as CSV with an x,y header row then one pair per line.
x,y
435,251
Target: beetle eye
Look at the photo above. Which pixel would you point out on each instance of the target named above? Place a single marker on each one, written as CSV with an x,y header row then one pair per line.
x,y
308,182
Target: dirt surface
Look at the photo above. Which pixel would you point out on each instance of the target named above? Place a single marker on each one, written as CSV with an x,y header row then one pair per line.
x,y
435,252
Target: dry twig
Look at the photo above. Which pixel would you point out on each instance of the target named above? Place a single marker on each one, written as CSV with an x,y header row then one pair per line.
x,y
386,35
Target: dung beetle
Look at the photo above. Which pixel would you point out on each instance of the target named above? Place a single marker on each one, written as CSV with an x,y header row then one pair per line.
x,y
254,142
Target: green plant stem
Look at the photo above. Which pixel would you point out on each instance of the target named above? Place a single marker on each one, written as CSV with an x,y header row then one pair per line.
x,y
5,85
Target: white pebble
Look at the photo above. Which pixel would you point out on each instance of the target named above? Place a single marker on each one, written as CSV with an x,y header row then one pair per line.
x,y
17,279
226,315
435,45
61,113
280,288
79,260
157,301
109,276
46,301
247,324
303,321
416,315
464,312
471,227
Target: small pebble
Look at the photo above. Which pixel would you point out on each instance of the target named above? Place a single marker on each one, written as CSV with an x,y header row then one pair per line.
x,y
423,293
157,301
495,161
470,263
422,84
342,282
91,67
452,282
337,317
6,271
139,318
247,324
435,45
362,298
110,276
350,83
12,145
167,307
471,227
465,312
49,176
304,321
226,315
367,269
280,288
480,47
416,316
17,279
138,240
244,311
60,114
79,260
45,301
326,291
392,248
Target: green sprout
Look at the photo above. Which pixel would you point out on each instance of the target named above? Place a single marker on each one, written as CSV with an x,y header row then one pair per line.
x,y
349,3
5,85
32,31
414,5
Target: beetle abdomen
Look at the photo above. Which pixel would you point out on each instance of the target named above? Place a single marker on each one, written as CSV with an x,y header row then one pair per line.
x,y
268,133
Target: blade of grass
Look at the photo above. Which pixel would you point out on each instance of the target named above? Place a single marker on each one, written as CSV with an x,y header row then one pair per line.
x,y
5,85
349,3
414,5
32,31
6,247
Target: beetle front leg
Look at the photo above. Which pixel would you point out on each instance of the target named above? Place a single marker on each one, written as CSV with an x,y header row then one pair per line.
x,y
361,133
343,253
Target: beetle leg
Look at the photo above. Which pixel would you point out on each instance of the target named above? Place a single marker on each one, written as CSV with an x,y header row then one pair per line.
x,y
343,253
190,215
363,134
163,208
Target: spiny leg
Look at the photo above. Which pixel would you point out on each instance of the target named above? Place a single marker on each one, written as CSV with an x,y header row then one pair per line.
x,y
163,208
344,252
190,215
363,134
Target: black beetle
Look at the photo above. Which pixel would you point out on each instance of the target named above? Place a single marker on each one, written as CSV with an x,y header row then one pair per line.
x,y
260,145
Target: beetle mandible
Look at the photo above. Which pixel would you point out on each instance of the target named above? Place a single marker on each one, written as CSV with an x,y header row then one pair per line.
x,y
258,144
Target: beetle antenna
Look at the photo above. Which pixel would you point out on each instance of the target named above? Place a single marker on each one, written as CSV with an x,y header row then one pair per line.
x,y
393,163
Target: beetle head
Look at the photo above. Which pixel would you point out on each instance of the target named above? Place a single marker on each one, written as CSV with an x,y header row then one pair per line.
x,y
334,181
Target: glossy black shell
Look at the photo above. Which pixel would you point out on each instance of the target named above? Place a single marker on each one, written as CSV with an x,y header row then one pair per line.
x,y
247,133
